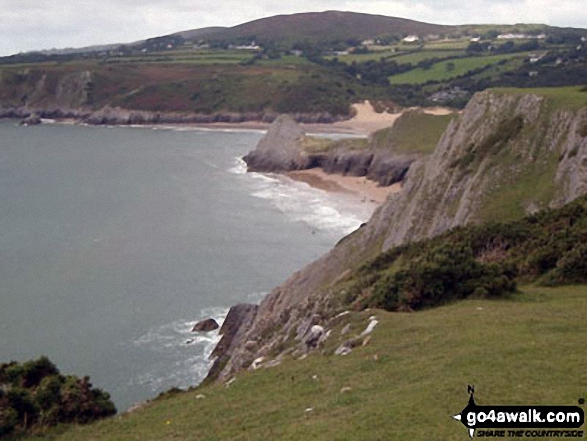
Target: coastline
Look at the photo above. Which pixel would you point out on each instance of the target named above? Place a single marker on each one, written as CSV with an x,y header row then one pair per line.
x,y
363,189
364,122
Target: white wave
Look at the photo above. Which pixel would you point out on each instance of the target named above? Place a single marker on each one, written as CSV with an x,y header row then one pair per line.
x,y
240,167
185,353
317,208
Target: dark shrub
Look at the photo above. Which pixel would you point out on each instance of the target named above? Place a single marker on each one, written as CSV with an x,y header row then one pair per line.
x,y
34,394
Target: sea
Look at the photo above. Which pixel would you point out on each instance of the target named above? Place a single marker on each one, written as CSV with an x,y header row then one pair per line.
x,y
115,241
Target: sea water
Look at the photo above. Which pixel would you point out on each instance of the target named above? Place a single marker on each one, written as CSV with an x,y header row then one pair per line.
x,y
114,242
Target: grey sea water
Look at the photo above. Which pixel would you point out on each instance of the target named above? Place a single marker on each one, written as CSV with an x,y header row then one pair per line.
x,y
115,241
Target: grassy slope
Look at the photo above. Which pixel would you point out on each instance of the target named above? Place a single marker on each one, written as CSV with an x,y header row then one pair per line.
x,y
328,25
571,98
536,183
441,72
523,350
413,132
205,82
399,57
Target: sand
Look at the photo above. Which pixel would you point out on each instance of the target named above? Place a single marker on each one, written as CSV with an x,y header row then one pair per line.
x,y
365,190
365,121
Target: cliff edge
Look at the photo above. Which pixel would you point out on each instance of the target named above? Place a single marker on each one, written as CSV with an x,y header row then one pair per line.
x,y
508,154
384,157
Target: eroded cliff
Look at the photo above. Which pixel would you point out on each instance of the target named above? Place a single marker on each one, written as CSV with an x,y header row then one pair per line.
x,y
506,155
384,157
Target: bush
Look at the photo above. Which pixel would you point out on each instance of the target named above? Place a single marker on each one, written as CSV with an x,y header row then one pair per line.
x,y
445,274
8,420
34,394
482,261
34,371
571,268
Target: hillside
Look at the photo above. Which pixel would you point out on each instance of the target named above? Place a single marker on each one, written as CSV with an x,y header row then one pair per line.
x,y
312,66
406,383
502,158
329,26
214,88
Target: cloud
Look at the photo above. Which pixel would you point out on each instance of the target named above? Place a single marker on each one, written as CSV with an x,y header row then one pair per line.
x,y
32,24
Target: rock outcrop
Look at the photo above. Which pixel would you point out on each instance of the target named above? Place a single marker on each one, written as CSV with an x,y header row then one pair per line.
x,y
118,116
236,324
283,149
101,96
206,325
506,155
31,120
280,149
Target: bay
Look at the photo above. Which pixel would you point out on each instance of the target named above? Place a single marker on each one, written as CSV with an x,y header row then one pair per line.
x,y
115,241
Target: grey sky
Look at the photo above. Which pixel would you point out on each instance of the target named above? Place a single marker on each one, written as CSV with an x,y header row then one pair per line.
x,y
32,24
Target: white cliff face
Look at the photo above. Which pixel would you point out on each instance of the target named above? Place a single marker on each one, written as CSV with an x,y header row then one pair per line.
x,y
506,155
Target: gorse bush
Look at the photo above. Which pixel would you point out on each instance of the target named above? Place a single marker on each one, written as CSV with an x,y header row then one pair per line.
x,y
549,247
443,274
34,394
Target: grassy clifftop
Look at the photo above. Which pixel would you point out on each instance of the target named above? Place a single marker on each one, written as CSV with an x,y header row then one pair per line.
x,y
413,133
406,378
406,383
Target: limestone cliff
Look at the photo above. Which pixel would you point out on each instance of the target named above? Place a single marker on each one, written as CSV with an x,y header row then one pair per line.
x,y
101,95
286,148
280,149
506,155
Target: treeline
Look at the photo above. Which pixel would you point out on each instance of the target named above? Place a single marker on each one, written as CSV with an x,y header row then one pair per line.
x,y
34,395
549,248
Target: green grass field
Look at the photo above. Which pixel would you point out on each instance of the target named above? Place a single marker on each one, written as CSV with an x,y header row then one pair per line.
x,y
572,98
285,60
424,55
401,57
362,58
188,57
442,71
413,132
404,385
442,44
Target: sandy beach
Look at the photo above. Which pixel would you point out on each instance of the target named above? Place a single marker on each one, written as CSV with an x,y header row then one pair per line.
x,y
365,190
365,121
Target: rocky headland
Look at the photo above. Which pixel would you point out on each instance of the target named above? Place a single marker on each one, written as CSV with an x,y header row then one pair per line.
x,y
287,148
505,156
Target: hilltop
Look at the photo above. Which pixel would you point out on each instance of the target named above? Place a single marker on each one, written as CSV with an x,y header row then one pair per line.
x,y
328,26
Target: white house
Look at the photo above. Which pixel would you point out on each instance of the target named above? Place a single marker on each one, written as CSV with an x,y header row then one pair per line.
x,y
411,39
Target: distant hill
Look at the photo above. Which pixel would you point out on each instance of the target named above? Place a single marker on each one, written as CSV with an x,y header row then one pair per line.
x,y
330,25
201,32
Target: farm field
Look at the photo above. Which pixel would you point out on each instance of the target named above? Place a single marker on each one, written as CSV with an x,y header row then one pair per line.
x,y
445,70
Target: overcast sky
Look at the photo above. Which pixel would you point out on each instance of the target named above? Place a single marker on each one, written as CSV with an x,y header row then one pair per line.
x,y
37,24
